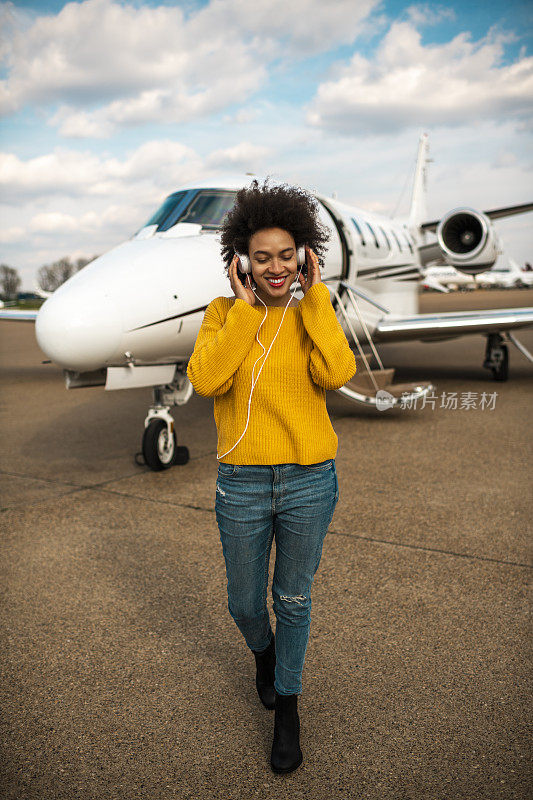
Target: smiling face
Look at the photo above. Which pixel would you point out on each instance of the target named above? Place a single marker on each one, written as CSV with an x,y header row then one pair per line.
x,y
272,253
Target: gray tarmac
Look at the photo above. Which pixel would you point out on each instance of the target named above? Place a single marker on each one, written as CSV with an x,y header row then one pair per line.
x,y
123,675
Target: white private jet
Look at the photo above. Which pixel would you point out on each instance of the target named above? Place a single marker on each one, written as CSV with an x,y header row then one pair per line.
x,y
447,278
130,318
511,276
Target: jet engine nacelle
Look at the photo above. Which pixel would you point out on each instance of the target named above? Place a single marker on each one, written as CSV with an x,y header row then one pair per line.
x,y
468,240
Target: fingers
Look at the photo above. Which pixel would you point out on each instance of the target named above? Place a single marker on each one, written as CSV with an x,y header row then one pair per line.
x,y
233,273
313,255
313,267
240,288
310,264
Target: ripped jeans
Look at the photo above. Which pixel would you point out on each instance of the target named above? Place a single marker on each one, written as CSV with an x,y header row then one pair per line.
x,y
293,503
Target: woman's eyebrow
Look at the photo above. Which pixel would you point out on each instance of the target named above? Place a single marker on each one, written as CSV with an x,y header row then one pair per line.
x,y
266,253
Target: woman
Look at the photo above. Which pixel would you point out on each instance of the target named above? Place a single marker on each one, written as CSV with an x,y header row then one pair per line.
x,y
276,446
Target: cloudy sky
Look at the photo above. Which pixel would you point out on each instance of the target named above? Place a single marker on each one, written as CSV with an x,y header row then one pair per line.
x,y
108,106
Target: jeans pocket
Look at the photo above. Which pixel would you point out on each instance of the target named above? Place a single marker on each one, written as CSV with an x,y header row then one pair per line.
x,y
226,469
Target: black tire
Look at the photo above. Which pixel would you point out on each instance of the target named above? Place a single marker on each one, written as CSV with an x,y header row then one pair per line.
x,y
154,438
501,372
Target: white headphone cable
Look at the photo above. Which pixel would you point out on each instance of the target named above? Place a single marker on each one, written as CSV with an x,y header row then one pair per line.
x,y
261,356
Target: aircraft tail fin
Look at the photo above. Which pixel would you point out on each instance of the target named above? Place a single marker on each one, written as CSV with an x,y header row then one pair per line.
x,y
418,210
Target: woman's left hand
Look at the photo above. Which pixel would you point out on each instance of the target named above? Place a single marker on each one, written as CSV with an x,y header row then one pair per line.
x,y
313,271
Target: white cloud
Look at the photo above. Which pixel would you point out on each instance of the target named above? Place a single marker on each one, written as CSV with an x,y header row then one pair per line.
x,y
408,84
57,222
505,158
52,222
154,166
60,171
13,234
139,65
280,28
245,156
74,173
241,117
143,60
425,14
80,124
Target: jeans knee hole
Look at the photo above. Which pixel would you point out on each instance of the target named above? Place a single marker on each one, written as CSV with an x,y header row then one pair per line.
x,y
296,599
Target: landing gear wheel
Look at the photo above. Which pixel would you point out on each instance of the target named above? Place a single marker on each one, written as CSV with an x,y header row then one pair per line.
x,y
501,371
159,453
497,357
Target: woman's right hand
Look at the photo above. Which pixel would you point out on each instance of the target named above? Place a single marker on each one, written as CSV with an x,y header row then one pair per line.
x,y
241,292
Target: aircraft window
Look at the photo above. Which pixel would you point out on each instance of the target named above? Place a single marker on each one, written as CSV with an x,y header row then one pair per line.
x,y
409,245
370,228
209,208
359,231
173,201
400,248
385,236
203,207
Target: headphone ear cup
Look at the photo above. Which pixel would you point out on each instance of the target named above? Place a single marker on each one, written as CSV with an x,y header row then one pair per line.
x,y
300,256
246,267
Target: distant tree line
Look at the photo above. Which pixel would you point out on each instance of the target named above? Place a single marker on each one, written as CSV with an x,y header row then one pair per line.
x,y
9,282
49,277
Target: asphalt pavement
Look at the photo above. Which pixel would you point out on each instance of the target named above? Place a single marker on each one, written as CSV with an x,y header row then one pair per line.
x,y
123,675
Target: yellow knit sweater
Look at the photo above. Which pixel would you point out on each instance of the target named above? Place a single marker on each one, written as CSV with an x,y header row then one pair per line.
x,y
289,422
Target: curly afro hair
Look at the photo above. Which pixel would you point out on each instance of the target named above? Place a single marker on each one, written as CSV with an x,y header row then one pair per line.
x,y
257,207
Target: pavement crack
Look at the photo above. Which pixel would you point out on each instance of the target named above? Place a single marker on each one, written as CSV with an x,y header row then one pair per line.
x,y
151,499
389,542
426,549
69,483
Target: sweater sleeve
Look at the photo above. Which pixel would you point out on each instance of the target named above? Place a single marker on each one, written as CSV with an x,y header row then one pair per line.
x,y
221,346
331,361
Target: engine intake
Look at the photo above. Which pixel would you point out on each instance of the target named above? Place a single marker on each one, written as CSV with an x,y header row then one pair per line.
x,y
468,240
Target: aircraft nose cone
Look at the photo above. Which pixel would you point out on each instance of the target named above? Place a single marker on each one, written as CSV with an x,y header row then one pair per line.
x,y
78,330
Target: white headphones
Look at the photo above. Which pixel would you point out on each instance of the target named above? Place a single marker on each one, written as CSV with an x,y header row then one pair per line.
x,y
247,268
246,265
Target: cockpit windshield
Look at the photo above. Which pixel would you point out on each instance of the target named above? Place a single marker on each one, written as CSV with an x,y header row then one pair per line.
x,y
205,207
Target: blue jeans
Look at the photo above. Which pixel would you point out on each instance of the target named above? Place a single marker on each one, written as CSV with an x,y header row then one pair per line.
x,y
294,503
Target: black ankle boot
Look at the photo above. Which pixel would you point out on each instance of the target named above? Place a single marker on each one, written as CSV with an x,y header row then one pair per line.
x,y
286,753
264,678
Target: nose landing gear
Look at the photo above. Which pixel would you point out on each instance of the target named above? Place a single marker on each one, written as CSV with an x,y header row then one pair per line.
x,y
159,444
159,447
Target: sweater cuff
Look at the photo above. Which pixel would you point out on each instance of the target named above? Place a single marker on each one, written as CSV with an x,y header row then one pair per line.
x,y
316,296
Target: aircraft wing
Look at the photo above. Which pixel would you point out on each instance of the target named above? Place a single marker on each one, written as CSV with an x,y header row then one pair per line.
x,y
495,213
432,327
29,315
